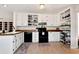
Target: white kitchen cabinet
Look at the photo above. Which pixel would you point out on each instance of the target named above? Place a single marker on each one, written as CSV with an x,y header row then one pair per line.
x,y
35,36
53,20
54,36
41,18
19,39
10,43
7,44
21,19
56,20
50,19
22,37
44,17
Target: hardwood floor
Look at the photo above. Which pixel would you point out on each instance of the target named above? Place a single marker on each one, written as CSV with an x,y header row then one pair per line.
x,y
46,48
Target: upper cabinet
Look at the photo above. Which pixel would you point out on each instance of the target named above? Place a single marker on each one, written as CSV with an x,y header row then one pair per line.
x,y
42,18
51,20
56,20
46,18
33,19
21,19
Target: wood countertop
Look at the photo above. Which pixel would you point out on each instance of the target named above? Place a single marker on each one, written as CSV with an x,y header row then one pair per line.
x,y
10,33
37,31
54,30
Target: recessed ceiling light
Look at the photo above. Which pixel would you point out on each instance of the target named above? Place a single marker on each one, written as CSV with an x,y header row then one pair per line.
x,y
4,5
42,6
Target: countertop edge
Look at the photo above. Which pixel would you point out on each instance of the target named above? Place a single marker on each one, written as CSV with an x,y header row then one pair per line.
x,y
37,31
4,34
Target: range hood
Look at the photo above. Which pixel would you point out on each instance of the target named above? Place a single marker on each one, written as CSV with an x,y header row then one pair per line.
x,y
42,24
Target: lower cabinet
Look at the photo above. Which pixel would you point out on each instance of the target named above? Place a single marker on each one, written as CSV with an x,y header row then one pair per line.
x,y
35,36
10,43
18,40
54,36
7,44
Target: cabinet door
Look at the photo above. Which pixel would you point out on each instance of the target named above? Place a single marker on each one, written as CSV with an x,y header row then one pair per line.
x,y
35,36
21,38
21,19
56,19
50,20
42,18
53,20
54,36
14,43
18,40
24,19
50,36
6,45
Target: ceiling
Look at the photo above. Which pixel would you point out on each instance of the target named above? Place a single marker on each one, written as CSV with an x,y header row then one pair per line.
x,y
33,8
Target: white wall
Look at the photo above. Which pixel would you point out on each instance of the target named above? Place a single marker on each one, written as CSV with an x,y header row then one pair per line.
x,y
6,15
74,28
78,23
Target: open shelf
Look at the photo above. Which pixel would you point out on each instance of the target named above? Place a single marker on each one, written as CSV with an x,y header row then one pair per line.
x,y
65,27
32,20
0,25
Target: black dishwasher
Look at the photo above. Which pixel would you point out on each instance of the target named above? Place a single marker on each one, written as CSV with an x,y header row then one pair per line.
x,y
27,36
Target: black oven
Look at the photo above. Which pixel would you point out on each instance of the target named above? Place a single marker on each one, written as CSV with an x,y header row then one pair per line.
x,y
43,35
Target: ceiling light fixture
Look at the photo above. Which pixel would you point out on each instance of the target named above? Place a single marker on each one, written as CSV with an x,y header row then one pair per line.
x,y
42,6
4,5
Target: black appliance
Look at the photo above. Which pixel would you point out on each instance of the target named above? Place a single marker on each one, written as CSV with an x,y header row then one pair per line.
x,y
27,36
43,35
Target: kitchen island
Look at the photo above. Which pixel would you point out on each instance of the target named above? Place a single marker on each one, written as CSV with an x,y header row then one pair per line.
x,y
10,42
